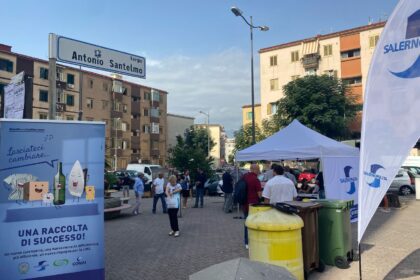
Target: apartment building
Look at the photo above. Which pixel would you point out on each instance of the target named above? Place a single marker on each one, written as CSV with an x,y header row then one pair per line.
x,y
177,125
218,135
135,115
247,114
345,54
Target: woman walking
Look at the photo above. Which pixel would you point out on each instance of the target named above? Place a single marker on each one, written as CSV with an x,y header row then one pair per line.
x,y
173,200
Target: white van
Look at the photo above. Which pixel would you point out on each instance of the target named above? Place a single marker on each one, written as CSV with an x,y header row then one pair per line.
x,y
150,171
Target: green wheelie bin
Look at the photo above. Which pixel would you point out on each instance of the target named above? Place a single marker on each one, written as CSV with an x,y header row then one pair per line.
x,y
335,243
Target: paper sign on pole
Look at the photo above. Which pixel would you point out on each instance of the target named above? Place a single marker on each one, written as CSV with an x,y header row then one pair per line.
x,y
14,97
391,114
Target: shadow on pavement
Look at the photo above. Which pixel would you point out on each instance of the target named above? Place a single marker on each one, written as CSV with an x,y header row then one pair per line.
x,y
408,267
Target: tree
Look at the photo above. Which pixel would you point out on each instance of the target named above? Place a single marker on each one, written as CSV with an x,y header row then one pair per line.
x,y
243,137
190,152
319,102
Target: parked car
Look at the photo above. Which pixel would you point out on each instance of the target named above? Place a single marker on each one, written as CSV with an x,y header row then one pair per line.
x,y
120,175
308,175
403,182
413,169
213,186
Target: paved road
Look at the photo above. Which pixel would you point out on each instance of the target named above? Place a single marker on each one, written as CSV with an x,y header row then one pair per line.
x,y
138,247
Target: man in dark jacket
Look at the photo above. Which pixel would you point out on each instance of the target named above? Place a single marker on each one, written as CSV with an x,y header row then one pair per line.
x,y
201,178
227,188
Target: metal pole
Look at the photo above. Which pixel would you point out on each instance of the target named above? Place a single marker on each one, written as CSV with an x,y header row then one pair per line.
x,y
116,145
360,262
52,79
252,83
208,134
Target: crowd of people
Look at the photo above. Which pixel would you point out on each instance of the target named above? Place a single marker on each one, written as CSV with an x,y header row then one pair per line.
x,y
279,185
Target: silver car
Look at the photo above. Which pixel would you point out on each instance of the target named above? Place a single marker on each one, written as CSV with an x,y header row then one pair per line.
x,y
403,183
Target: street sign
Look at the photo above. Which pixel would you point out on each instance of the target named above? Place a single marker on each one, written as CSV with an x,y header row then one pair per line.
x,y
93,56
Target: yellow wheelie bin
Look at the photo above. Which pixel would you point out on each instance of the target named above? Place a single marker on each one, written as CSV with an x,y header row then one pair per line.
x,y
275,238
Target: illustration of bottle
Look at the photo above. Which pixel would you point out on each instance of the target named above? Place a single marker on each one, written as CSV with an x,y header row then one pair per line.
x,y
59,186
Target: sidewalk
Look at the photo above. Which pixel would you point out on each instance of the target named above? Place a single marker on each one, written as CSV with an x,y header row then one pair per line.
x,y
138,247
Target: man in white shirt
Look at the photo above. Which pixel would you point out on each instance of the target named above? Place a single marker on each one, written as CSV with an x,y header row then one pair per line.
x,y
159,192
279,188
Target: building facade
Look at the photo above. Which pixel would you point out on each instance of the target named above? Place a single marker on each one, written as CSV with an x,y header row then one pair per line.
x,y
135,115
247,114
229,148
218,135
346,54
176,126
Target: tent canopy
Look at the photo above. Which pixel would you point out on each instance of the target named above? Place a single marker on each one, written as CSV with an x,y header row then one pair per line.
x,y
296,141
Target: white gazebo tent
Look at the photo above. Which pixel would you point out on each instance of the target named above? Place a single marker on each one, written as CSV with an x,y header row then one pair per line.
x,y
340,161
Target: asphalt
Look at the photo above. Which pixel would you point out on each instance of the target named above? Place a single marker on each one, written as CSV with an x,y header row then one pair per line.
x,y
138,247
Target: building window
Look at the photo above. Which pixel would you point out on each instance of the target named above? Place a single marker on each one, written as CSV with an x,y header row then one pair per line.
x,y
6,65
69,118
327,50
249,116
43,95
353,81
273,60
274,84
117,106
43,73
310,72
105,86
155,95
154,112
104,104
351,53
124,126
125,144
125,108
155,128
373,41
43,116
295,77
90,83
70,100
295,56
146,128
146,112
116,123
155,145
147,96
70,79
89,103
135,99
273,108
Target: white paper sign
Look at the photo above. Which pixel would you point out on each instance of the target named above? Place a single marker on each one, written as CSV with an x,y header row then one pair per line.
x,y
14,101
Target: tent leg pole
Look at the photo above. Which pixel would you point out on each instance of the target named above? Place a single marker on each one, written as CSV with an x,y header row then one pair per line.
x,y
360,262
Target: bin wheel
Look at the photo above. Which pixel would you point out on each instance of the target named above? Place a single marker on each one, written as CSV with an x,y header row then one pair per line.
x,y
321,266
354,256
341,262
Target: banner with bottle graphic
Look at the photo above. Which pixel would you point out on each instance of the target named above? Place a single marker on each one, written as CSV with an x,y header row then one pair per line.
x,y
51,199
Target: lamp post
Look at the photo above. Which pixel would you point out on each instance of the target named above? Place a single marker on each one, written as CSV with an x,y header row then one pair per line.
x,y
208,131
116,144
237,12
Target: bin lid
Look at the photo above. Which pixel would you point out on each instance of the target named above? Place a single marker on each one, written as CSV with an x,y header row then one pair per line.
x,y
273,220
335,203
304,205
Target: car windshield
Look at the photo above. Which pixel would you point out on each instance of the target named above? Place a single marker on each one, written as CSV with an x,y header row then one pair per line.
x,y
155,168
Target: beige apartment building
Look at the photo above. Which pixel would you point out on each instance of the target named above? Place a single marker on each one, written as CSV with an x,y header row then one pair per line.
x,y
247,114
135,115
218,135
177,125
345,54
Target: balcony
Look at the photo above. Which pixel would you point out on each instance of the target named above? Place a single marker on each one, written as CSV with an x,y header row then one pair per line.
x,y
135,107
135,124
115,114
311,60
135,142
154,137
154,153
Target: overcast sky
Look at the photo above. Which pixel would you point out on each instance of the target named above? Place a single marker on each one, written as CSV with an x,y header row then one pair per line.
x,y
198,51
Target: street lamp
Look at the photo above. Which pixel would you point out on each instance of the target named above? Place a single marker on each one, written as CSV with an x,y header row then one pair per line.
x,y
208,131
116,144
238,12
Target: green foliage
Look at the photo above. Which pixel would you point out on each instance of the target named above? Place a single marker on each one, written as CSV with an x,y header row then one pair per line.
x,y
190,152
110,179
319,102
243,137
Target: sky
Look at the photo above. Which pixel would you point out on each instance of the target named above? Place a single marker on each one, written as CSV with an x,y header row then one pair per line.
x,y
197,51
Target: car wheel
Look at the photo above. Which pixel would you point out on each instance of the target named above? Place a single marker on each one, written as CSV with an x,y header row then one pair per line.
x,y
405,190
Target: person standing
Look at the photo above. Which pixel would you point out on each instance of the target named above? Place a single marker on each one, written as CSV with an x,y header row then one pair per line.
x,y
199,187
227,188
253,194
289,175
269,173
126,182
138,191
173,201
279,188
185,190
159,193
